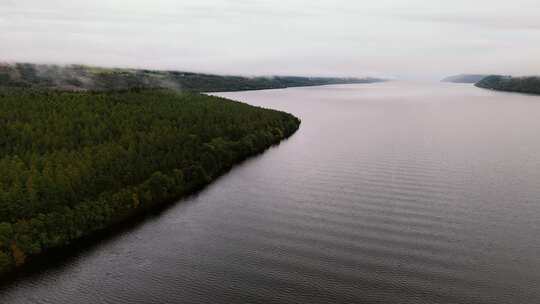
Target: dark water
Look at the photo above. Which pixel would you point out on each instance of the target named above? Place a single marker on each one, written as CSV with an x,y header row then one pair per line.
x,y
389,193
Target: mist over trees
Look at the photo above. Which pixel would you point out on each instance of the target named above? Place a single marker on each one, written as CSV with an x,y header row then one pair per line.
x,y
84,78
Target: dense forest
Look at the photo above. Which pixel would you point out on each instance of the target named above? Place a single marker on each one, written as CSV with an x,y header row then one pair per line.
x,y
83,78
464,78
530,85
76,162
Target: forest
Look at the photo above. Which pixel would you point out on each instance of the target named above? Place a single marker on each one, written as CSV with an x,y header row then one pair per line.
x,y
85,78
529,85
73,163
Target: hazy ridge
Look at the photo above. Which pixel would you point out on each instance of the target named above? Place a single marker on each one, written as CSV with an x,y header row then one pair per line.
x,y
85,78
464,78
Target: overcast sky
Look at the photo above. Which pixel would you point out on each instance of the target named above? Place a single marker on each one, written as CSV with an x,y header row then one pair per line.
x,y
404,38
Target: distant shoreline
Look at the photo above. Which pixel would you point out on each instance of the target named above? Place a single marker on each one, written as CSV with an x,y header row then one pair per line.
x,y
525,85
464,78
86,78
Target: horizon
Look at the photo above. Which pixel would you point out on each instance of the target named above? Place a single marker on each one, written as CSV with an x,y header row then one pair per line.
x,y
135,68
416,39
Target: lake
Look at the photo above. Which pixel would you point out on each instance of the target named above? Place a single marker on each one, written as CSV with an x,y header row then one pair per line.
x,y
397,192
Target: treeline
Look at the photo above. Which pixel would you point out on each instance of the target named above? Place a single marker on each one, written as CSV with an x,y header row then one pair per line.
x,y
530,85
84,78
75,162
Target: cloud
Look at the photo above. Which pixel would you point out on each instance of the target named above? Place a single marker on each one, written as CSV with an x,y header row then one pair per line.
x,y
505,22
324,37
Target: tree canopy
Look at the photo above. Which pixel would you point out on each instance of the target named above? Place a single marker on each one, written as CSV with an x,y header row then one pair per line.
x,y
75,162
529,85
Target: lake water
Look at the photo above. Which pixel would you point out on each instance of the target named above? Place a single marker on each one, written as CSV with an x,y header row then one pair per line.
x,y
389,193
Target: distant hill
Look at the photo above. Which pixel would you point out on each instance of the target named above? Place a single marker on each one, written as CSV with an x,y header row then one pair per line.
x,y
85,78
529,85
464,78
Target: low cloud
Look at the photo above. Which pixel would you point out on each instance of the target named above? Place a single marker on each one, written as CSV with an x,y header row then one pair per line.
x,y
422,38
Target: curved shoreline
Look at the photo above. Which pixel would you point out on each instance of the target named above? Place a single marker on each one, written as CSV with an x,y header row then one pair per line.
x,y
111,208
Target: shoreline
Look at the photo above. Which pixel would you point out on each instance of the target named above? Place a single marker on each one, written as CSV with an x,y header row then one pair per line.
x,y
100,216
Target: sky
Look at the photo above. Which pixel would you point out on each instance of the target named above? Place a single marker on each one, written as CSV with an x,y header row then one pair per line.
x,y
382,38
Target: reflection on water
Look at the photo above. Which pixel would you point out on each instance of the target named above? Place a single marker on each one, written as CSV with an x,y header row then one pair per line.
x,y
389,193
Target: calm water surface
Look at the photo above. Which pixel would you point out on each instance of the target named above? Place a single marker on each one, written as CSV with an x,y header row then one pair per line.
x,y
389,193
